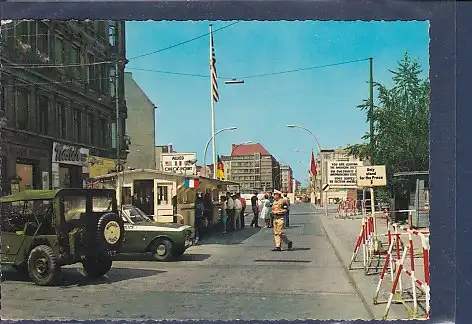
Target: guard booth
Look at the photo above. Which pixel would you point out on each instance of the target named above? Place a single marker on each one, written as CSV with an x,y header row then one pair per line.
x,y
162,195
418,200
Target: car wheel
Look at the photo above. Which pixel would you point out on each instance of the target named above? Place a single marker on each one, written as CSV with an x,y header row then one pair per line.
x,y
110,232
95,268
42,266
162,250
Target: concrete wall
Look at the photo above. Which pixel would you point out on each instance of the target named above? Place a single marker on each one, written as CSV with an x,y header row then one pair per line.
x,y
140,126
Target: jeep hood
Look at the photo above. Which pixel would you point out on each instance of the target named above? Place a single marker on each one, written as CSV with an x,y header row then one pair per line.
x,y
162,226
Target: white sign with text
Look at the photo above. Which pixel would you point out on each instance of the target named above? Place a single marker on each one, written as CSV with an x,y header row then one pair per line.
x,y
371,176
343,174
181,163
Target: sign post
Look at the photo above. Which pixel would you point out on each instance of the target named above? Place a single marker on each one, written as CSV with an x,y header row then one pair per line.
x,y
370,177
325,188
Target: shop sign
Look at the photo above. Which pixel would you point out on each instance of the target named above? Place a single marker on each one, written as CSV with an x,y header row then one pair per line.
x,y
99,166
68,154
181,163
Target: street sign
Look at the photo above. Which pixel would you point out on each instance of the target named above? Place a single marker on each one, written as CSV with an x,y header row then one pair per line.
x,y
342,174
119,167
371,176
325,187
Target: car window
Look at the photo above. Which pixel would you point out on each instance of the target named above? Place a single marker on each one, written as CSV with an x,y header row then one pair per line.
x,y
102,204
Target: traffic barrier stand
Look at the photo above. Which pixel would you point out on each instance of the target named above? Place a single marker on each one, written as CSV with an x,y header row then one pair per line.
x,y
398,294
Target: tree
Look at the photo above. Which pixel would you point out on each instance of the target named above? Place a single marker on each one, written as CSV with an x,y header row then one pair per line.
x,y
401,124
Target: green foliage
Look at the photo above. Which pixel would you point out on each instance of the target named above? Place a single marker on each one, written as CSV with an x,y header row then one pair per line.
x,y
401,124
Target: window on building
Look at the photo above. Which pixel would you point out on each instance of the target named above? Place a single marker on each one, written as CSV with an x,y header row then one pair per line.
x,y
42,41
78,125
23,34
43,115
62,119
113,135
59,51
75,62
92,135
22,108
104,68
102,131
112,81
91,77
112,33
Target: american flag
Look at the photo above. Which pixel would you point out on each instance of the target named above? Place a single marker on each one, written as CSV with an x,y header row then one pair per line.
x,y
214,75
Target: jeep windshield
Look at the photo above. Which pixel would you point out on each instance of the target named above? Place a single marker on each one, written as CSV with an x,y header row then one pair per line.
x,y
133,214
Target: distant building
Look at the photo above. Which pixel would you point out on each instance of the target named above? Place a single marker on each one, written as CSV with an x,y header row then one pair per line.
x,y
286,177
298,187
253,167
140,126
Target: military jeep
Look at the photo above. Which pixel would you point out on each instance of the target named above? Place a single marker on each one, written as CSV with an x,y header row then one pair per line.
x,y
43,230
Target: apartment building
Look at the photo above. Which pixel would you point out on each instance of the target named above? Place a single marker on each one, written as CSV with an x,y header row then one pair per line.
x,y
59,102
286,178
140,126
253,167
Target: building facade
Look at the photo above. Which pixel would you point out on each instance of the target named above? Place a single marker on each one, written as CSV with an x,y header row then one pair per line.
x,y
253,167
140,126
286,178
59,102
158,151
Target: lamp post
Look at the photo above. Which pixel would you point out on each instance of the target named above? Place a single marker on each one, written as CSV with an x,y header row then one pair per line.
x,y
208,144
319,148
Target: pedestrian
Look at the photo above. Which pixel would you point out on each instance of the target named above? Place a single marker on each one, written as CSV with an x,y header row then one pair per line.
x,y
255,210
198,216
208,211
279,209
243,210
238,206
230,210
266,210
287,214
271,199
224,214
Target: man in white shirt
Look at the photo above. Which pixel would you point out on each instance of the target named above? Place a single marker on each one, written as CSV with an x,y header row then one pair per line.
x,y
230,210
238,207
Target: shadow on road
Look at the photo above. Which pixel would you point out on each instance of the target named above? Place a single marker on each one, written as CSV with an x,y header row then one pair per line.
x,y
71,277
148,257
230,238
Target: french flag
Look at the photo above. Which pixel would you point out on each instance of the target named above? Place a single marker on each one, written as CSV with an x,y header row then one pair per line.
x,y
191,183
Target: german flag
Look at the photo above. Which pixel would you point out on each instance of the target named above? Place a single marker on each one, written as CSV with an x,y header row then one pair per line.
x,y
220,173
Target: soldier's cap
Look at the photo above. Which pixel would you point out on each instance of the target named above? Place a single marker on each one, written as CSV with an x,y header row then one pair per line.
x,y
276,192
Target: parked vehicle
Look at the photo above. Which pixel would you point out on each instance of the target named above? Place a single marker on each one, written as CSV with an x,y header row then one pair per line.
x,y
43,230
166,241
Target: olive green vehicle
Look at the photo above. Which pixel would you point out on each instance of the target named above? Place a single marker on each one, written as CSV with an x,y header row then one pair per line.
x,y
166,241
43,230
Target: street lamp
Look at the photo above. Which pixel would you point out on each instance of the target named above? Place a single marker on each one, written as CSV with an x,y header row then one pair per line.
x,y
208,143
319,148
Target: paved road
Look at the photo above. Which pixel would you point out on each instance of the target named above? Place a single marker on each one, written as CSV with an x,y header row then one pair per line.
x,y
232,276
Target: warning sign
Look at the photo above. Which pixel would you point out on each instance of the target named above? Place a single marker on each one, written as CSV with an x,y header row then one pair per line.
x,y
371,176
343,174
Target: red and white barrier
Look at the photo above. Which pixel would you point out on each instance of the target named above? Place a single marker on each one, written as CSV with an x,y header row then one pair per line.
x,y
347,208
397,265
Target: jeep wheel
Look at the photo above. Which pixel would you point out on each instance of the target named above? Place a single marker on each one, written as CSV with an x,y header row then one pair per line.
x,y
162,250
42,266
110,232
95,268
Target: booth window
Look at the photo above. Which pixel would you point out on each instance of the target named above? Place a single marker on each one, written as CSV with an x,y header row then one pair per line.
x,y
162,195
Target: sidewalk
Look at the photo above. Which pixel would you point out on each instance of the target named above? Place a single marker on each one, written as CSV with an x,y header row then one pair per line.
x,y
343,234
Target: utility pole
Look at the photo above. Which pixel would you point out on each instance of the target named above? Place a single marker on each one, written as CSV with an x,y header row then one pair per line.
x,y
371,111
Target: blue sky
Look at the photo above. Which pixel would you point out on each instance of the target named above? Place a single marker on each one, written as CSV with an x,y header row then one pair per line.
x,y
323,100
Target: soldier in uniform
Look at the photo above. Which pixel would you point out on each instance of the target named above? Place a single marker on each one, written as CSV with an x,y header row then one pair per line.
x,y
279,209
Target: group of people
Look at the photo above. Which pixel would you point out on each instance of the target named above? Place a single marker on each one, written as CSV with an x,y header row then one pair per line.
x,y
233,207
275,212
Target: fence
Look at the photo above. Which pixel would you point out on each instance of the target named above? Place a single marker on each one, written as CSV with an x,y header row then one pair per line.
x,y
414,293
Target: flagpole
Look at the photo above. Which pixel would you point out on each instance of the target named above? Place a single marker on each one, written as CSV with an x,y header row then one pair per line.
x,y
212,108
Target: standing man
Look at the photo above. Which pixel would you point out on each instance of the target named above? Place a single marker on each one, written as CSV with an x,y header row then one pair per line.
x,y
243,210
230,210
279,209
255,210
238,206
287,214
